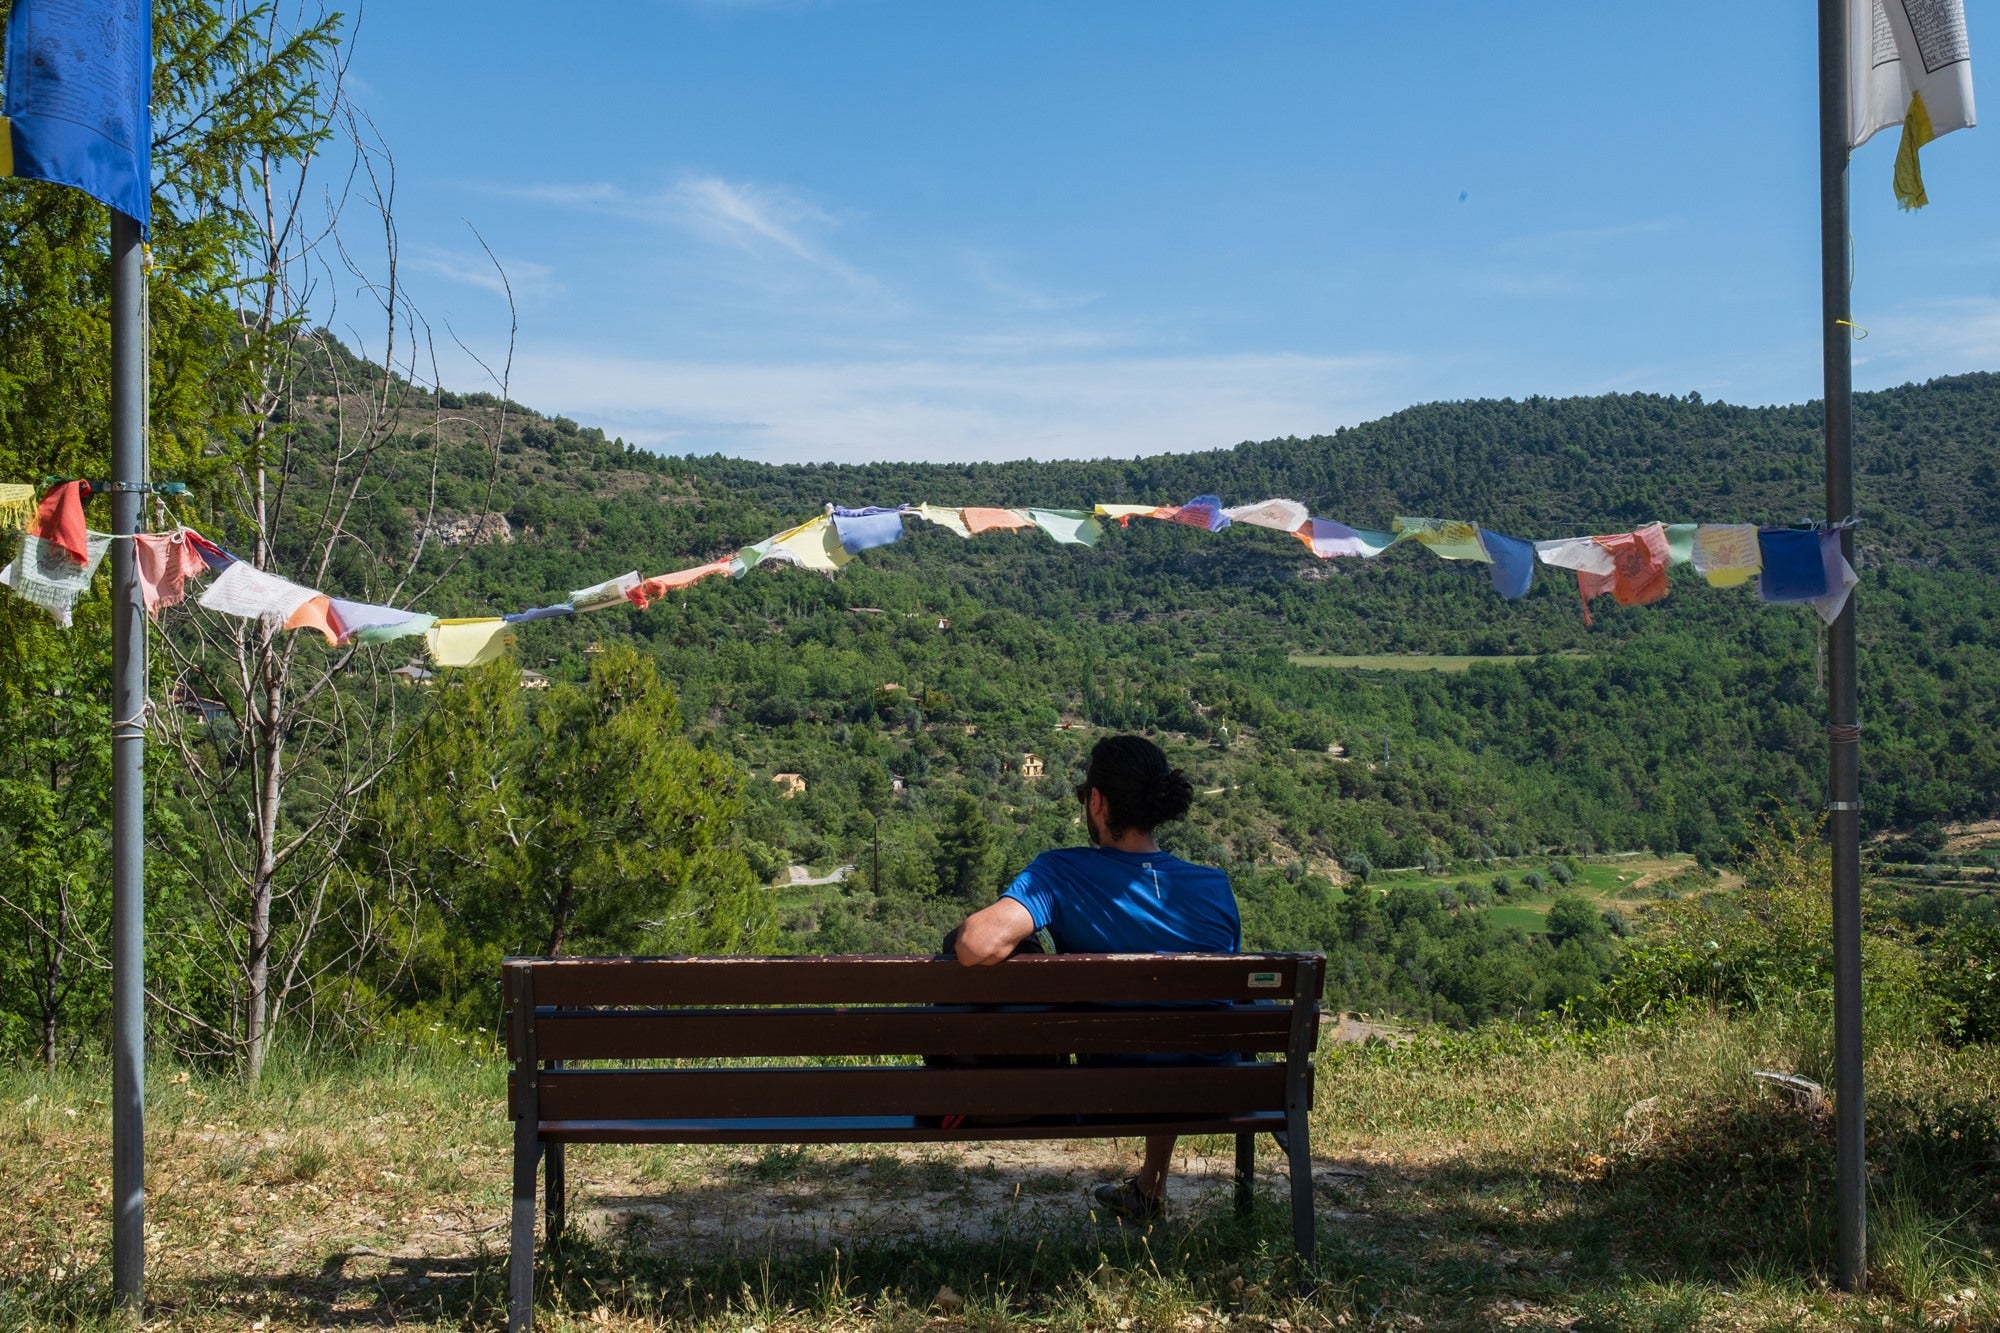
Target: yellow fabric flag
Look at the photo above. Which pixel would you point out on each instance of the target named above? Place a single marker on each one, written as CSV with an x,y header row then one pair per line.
x,y
1451,538
1909,171
475,642
6,146
17,501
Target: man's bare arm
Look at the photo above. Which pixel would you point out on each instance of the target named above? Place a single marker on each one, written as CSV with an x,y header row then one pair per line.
x,y
991,934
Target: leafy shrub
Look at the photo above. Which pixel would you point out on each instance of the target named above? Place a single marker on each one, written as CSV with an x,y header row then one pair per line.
x,y
1573,917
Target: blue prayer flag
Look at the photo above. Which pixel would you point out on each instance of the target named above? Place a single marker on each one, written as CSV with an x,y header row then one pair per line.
x,y
1513,563
1794,569
540,613
865,529
78,102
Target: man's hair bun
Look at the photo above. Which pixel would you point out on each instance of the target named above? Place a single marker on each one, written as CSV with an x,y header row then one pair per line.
x,y
1141,789
1170,795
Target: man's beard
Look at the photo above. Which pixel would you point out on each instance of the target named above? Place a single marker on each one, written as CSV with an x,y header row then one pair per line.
x,y
1090,827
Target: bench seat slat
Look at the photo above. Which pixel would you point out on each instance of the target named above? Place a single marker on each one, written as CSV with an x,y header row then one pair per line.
x,y
713,1094
1051,979
722,1034
892,1129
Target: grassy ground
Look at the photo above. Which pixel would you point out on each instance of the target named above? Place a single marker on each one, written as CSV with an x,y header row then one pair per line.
x,y
1615,883
1640,1181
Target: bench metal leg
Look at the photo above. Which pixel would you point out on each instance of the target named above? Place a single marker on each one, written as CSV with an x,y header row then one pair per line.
x,y
1246,1172
558,1198
521,1263
1298,1148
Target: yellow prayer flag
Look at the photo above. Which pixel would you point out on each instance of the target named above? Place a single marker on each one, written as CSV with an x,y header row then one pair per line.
x,y
1909,181
472,642
17,500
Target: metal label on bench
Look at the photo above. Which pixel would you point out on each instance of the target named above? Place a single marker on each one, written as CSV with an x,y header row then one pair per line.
x,y
1265,981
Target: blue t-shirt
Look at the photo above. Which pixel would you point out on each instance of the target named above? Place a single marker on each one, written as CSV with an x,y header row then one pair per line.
x,y
1099,900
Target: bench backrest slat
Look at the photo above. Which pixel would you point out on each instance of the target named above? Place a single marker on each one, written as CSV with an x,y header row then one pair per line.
x,y
1057,979
724,1034
715,1093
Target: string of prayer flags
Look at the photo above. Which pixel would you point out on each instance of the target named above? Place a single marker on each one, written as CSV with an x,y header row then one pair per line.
x,y
1789,565
1909,64
247,591
1327,539
17,505
59,520
1126,513
1204,512
1727,554
166,561
1069,527
1446,537
603,596
1510,562
44,574
1277,515
865,529
469,642
660,585
979,519
949,519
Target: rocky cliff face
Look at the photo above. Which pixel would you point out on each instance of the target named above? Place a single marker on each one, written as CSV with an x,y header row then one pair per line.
x,y
468,530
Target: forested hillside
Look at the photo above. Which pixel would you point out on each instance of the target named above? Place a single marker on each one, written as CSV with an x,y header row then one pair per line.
x,y
908,691
1660,726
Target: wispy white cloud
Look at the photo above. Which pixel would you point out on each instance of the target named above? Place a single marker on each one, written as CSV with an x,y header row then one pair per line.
x,y
762,223
960,409
1944,337
995,279
476,269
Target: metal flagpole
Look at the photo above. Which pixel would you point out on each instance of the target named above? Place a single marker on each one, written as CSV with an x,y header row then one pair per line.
x,y
1843,728
128,769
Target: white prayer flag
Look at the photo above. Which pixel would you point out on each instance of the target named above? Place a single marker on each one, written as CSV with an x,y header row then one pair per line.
x,y
1909,64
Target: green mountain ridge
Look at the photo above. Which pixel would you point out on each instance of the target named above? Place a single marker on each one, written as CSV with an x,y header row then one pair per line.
x,y
1661,726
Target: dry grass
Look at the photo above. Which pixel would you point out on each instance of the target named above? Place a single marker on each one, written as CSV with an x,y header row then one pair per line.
x,y
1640,1181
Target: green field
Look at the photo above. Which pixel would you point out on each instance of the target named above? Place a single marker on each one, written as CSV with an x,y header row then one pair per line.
x,y
1529,919
1405,661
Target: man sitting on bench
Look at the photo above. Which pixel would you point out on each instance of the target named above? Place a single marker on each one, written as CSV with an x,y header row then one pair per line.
x,y
1121,894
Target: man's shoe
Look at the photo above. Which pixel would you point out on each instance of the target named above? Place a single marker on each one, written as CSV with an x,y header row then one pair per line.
x,y
1125,1201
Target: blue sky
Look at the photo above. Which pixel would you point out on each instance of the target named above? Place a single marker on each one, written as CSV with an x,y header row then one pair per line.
x,y
853,229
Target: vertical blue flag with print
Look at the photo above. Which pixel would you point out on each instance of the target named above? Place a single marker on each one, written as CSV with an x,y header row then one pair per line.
x,y
78,105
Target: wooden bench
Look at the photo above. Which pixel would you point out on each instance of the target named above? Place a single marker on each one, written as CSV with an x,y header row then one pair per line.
x,y
626,1050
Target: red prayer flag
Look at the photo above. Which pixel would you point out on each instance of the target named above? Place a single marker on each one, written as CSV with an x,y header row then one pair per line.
x,y
59,521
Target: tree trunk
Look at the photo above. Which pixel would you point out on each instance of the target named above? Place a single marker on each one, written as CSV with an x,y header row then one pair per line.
x,y
257,988
51,998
